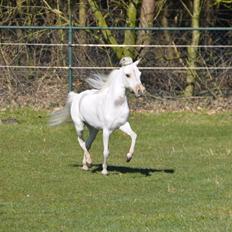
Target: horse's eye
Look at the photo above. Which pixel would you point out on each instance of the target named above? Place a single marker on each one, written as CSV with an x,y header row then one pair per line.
x,y
128,75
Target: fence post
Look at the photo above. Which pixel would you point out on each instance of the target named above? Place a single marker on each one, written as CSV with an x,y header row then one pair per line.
x,y
70,41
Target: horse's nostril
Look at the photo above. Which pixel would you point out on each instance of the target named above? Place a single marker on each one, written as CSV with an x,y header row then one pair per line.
x,y
142,90
139,92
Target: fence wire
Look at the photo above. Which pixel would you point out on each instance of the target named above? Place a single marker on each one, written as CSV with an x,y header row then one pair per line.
x,y
33,62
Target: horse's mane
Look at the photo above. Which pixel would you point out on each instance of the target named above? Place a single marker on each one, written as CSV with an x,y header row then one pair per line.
x,y
101,81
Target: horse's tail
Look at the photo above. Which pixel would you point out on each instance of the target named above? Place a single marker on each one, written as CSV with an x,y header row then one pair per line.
x,y
62,115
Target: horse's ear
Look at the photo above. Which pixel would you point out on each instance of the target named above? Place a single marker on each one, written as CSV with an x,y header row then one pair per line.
x,y
137,62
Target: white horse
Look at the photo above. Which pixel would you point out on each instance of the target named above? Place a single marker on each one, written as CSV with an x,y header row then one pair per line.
x,y
103,108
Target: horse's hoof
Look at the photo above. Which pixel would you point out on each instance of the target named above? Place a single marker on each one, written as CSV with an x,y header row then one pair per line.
x,y
128,157
104,172
85,167
89,165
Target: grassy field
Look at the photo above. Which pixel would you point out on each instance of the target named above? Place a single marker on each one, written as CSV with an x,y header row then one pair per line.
x,y
180,178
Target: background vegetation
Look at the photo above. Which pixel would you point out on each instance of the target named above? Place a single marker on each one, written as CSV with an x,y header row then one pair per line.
x,y
17,86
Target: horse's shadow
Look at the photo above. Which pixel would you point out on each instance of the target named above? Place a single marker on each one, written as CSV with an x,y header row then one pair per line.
x,y
125,169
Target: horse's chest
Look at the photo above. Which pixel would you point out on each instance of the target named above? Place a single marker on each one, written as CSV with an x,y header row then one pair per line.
x,y
119,101
118,116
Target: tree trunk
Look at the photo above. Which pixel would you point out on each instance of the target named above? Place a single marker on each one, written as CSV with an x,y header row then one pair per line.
x,y
102,23
146,20
82,12
130,35
82,34
171,54
192,51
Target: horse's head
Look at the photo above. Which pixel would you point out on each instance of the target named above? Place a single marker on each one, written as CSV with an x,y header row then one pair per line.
x,y
132,78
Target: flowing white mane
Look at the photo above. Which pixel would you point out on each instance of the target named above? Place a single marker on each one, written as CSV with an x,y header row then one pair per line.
x,y
101,81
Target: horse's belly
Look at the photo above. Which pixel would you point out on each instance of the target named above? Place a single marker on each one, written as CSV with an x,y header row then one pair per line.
x,y
96,112
89,110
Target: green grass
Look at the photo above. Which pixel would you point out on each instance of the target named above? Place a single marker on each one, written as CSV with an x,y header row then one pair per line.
x,y
179,179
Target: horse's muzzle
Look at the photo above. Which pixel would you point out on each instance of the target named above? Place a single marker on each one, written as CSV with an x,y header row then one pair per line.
x,y
139,90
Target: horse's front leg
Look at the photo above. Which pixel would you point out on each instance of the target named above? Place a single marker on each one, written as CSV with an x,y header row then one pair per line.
x,y
106,135
126,128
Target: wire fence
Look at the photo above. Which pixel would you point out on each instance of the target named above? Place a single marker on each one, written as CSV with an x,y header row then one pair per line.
x,y
38,64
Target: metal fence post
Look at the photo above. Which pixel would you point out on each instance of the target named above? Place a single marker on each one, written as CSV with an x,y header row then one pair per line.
x,y
70,61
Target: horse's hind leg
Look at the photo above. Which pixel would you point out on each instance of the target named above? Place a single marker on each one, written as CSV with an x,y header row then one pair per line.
x,y
92,135
126,128
79,126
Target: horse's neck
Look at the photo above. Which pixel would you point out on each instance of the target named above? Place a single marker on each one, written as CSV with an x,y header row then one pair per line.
x,y
117,89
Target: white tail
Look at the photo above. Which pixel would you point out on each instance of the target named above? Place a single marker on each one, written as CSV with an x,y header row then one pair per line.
x,y
62,115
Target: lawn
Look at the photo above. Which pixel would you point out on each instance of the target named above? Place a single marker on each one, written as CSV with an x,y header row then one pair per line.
x,y
179,179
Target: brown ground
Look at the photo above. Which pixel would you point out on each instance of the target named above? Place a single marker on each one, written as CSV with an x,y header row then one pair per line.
x,y
49,96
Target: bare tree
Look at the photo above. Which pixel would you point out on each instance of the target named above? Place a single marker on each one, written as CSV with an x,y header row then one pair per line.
x,y
193,50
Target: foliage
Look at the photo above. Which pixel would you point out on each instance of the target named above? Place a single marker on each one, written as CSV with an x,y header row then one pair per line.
x,y
223,1
179,179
